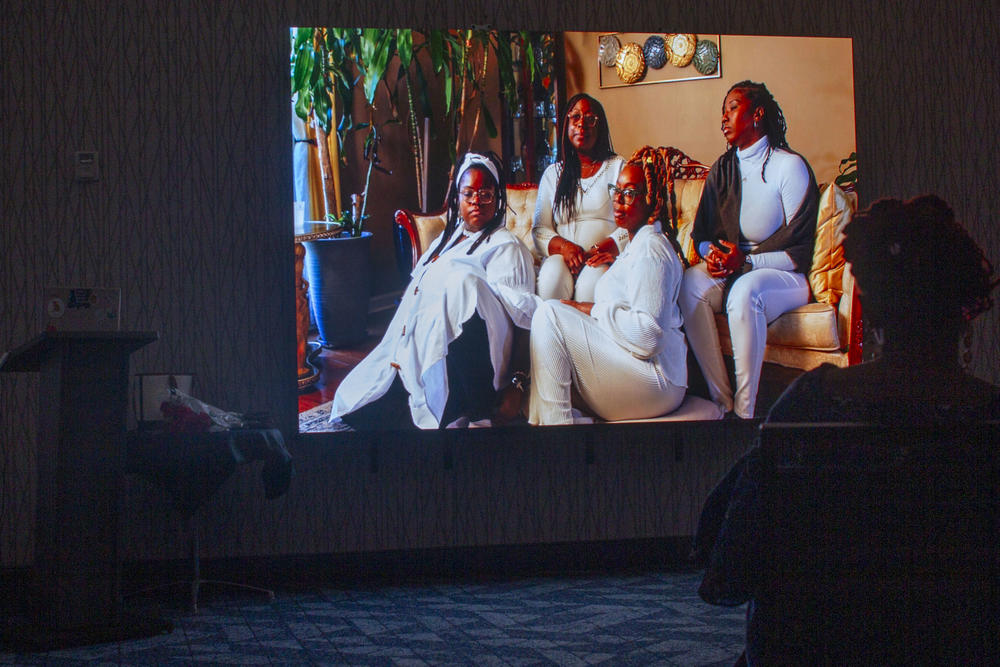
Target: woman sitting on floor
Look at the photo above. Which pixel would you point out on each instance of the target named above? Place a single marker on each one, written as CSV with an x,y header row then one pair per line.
x,y
624,353
446,351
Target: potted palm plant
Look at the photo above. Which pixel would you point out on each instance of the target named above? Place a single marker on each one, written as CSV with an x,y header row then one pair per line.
x,y
338,258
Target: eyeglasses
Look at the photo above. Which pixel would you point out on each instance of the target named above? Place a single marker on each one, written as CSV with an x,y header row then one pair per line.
x,y
627,195
587,119
483,196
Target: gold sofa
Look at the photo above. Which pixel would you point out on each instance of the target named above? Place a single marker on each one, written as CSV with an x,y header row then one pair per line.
x,y
826,330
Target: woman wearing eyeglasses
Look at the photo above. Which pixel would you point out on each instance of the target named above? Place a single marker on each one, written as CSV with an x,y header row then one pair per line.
x,y
573,218
624,353
446,351
755,229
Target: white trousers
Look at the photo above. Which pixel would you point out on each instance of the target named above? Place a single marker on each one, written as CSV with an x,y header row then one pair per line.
x,y
570,349
555,281
755,299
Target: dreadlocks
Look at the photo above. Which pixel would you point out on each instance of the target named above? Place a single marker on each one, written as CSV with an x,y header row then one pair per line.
x,y
655,165
773,121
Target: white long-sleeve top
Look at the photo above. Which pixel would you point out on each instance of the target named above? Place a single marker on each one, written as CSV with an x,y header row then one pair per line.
x,y
496,281
636,302
593,220
767,205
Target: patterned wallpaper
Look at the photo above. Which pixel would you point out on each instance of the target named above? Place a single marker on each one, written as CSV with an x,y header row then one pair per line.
x,y
185,101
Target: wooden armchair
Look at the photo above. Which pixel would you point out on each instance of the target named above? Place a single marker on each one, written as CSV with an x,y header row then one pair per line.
x,y
415,230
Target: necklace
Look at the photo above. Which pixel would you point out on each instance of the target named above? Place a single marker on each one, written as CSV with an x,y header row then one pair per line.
x,y
593,178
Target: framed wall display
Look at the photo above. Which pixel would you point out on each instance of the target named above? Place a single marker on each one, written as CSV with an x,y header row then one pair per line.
x,y
635,58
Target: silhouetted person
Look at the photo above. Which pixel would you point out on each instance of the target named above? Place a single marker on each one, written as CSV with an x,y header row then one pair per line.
x,y
922,279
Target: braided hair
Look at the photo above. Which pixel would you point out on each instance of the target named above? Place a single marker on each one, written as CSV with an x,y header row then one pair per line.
x,y
452,220
655,166
569,175
915,263
774,120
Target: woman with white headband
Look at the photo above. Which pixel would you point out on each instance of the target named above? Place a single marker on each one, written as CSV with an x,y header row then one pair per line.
x,y
447,349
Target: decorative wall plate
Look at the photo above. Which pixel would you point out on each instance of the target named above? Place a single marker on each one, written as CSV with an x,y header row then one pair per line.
x,y
608,49
646,68
655,52
706,56
680,48
630,64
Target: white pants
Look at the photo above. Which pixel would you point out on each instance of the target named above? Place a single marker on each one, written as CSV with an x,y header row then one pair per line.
x,y
755,299
569,348
555,281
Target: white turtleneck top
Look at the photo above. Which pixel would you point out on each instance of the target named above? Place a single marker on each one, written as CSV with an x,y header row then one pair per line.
x,y
765,205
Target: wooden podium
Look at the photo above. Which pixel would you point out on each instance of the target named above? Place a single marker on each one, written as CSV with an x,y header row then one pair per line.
x,y
83,404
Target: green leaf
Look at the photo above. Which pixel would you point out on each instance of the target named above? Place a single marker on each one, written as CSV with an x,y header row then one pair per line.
x,y
302,36
316,76
425,100
491,127
529,54
302,69
303,104
322,107
376,51
404,45
505,68
346,124
447,90
437,50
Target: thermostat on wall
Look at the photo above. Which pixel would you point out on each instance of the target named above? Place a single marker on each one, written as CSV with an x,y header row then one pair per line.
x,y
86,167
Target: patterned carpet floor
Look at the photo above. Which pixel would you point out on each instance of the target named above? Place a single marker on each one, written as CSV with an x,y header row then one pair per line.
x,y
644,619
316,419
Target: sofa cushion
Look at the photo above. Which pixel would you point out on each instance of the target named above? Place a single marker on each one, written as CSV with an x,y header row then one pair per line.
x,y
520,213
687,194
693,408
812,326
836,208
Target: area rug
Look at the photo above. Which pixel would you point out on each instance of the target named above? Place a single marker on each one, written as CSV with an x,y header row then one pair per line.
x,y
316,420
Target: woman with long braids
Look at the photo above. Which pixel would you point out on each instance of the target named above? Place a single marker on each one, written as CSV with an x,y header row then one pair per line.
x,y
573,218
623,353
755,229
446,351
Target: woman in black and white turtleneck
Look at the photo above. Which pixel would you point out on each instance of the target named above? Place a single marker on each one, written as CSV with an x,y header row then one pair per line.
x,y
755,229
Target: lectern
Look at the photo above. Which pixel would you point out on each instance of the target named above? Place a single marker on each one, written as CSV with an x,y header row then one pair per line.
x,y
83,403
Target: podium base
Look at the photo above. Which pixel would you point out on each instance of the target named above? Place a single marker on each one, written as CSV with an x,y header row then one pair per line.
x,y
25,637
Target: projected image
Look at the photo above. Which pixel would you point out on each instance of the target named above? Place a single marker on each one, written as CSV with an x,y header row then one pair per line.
x,y
561,228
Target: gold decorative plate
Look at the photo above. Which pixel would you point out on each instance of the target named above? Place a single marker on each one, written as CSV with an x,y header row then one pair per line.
x,y
630,63
680,48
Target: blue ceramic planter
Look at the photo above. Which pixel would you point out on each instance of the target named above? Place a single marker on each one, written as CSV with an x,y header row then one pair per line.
x,y
339,274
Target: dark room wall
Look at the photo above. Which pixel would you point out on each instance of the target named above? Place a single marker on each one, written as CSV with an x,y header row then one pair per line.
x,y
186,101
